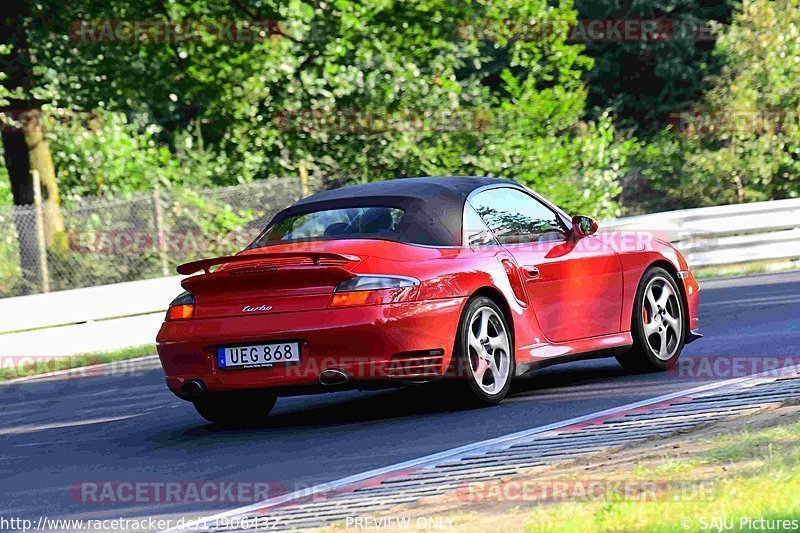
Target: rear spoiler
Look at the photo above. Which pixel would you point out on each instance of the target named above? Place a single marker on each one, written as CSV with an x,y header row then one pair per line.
x,y
206,264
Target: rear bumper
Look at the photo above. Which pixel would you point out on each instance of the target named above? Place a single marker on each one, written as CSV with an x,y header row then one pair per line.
x,y
404,341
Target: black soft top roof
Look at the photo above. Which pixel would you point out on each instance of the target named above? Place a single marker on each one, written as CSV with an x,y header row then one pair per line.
x,y
433,206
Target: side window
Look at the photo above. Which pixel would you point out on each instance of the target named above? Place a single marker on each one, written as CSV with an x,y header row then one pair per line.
x,y
516,217
476,233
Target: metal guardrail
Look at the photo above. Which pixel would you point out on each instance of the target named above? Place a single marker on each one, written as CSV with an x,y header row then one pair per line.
x,y
89,304
725,235
712,236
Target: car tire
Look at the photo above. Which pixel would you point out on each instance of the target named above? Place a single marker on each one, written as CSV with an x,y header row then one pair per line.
x,y
658,324
235,408
484,345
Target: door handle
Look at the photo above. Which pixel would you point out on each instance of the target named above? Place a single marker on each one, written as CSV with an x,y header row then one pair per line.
x,y
531,271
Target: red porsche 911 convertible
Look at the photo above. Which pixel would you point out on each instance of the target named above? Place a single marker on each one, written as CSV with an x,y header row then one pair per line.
x,y
468,280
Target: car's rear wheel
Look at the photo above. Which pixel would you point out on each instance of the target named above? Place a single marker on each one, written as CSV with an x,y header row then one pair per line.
x,y
658,324
484,353
235,408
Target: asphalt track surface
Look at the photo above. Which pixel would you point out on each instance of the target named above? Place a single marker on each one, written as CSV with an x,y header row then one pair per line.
x,y
57,434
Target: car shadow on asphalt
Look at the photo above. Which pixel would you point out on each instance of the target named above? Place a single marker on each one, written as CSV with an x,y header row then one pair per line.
x,y
577,374
343,408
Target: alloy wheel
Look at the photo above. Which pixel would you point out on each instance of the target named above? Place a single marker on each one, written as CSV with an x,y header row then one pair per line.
x,y
489,350
662,318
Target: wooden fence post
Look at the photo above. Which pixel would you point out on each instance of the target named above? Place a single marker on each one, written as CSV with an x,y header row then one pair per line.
x,y
42,245
303,181
159,220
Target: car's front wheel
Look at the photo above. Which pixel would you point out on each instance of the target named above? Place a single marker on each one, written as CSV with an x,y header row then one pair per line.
x,y
484,353
235,408
657,324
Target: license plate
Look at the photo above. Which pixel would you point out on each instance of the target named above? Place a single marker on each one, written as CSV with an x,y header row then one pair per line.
x,y
257,355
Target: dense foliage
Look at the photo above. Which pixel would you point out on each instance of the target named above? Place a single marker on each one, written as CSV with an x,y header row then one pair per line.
x,y
739,143
645,78
355,90
351,90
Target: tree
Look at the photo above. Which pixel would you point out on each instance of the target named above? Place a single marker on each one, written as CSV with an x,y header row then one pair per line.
x,y
351,90
749,133
742,142
644,80
377,90
25,148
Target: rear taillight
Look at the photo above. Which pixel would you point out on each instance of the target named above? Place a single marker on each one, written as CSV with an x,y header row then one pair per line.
x,y
374,290
181,308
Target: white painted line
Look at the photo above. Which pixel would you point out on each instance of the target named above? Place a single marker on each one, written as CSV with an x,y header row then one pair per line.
x,y
32,428
766,300
455,453
76,371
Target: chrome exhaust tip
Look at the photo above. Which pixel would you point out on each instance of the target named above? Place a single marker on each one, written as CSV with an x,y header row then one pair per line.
x,y
333,376
193,387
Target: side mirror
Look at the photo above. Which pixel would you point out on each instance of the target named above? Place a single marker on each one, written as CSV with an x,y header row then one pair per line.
x,y
583,226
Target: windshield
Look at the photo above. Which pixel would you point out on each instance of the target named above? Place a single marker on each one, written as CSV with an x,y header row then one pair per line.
x,y
345,222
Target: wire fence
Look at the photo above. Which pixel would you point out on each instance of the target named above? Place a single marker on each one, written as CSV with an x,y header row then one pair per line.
x,y
99,241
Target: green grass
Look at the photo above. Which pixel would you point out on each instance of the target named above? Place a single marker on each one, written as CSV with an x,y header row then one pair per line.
x,y
750,474
11,369
758,267
668,467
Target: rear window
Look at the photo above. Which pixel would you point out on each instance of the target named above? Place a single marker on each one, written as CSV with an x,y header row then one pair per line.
x,y
331,223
